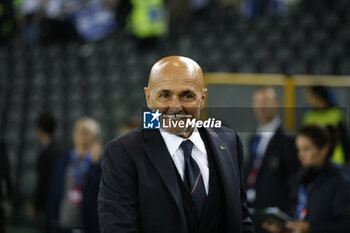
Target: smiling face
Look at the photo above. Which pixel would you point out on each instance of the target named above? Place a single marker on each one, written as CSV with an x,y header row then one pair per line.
x,y
176,87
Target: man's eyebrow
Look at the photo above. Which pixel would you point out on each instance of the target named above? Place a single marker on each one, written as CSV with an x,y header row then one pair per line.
x,y
186,92
164,91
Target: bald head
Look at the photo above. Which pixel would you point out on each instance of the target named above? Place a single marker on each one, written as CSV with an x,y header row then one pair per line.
x,y
176,86
175,67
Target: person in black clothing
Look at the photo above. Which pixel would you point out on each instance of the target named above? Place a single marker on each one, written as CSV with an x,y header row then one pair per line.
x,y
272,159
46,125
5,184
75,182
321,198
7,21
179,178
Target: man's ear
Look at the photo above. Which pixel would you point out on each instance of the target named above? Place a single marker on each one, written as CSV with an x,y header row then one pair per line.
x,y
147,95
204,97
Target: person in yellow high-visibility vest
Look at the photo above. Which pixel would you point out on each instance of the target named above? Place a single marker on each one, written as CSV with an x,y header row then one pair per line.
x,y
147,18
324,113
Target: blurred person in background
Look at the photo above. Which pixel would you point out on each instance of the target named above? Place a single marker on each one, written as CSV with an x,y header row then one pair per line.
x,y
5,186
272,158
321,197
255,8
121,9
92,19
147,21
75,183
7,21
324,112
45,128
45,21
30,17
67,20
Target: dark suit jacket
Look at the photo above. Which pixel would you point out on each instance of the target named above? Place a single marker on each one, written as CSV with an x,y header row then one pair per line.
x,y
90,192
44,169
280,163
328,201
139,191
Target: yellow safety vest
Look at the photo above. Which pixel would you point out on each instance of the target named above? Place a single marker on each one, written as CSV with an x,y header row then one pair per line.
x,y
328,117
147,18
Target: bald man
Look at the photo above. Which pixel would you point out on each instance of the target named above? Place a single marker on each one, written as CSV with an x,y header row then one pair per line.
x,y
272,159
174,179
75,182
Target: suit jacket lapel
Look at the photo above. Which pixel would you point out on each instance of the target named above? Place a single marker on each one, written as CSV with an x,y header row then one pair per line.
x,y
269,151
228,171
158,154
273,141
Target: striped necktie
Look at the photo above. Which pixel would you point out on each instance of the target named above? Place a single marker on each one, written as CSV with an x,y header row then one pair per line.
x,y
193,177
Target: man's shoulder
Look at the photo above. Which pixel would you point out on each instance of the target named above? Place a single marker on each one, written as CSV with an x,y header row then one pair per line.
x,y
284,137
222,132
225,134
131,137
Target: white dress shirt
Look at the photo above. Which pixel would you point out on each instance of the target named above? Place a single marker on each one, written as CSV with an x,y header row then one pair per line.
x,y
199,153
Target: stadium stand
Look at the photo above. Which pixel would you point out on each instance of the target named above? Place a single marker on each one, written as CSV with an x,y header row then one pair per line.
x,y
105,79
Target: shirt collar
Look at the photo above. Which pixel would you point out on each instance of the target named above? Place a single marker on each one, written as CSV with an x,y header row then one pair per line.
x,y
197,140
173,141
271,127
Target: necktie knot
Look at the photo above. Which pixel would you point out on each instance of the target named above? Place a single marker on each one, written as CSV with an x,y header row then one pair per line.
x,y
187,148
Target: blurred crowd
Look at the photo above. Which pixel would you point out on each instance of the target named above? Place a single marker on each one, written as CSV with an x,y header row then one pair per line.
x,y
43,21
304,175
64,199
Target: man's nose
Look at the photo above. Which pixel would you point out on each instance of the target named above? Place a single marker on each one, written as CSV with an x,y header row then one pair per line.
x,y
175,105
